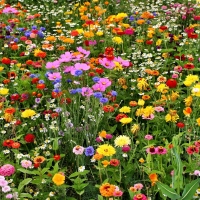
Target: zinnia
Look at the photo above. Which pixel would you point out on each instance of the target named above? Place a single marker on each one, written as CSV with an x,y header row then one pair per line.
x,y
107,190
122,140
28,113
7,170
58,179
106,150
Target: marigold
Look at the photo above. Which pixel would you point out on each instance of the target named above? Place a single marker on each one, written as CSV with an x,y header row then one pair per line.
x,y
107,190
105,163
58,179
187,111
188,101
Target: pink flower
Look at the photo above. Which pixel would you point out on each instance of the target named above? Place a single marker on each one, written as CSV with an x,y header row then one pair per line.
x,y
99,87
11,10
150,117
126,148
196,173
152,150
148,137
83,51
6,189
124,63
105,81
53,65
106,63
178,68
174,75
172,173
139,197
66,57
26,163
9,196
53,76
87,91
81,66
7,170
78,150
159,109
161,150
138,186
3,182
117,193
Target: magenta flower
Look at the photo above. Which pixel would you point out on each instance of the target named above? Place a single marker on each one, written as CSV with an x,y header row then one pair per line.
x,y
68,69
66,57
161,150
105,81
124,63
7,170
139,197
87,91
53,65
53,76
26,164
83,51
117,193
152,150
129,31
99,87
78,150
106,63
81,66
10,10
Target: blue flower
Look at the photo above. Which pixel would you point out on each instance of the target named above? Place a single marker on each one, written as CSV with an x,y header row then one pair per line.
x,y
103,100
114,93
89,151
41,81
34,27
78,72
98,95
96,79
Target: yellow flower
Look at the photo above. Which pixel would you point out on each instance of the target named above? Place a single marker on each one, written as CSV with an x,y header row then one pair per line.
x,y
148,111
58,179
190,79
141,160
139,112
135,128
196,90
126,120
122,140
125,109
118,67
142,84
188,101
172,116
99,33
158,42
88,34
198,121
28,113
141,102
1,68
4,91
105,163
117,40
163,88
106,150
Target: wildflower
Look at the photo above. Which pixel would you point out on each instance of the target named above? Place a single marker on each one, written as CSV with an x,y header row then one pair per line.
x,y
141,160
78,150
141,102
4,91
28,113
133,103
105,163
161,150
152,150
39,159
187,111
81,168
8,143
126,120
6,189
58,179
148,137
108,108
122,140
56,157
126,148
26,164
172,116
171,83
117,40
89,151
163,88
180,125
135,128
138,186
114,162
139,197
190,79
154,178
196,90
106,150
7,170
107,190
29,138
125,109
188,101
142,84
192,149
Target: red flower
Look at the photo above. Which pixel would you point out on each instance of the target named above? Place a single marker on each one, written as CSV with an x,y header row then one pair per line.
x,y
5,60
99,71
57,157
192,149
180,125
29,138
16,145
14,97
149,42
193,35
36,165
163,28
86,42
35,80
74,33
171,83
114,162
182,57
56,94
108,108
189,66
197,17
18,122
120,116
8,143
41,86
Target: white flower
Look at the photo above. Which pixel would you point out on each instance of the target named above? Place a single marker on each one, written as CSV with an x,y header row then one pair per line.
x,y
81,168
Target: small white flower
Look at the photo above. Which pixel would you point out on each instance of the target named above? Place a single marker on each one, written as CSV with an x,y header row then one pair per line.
x,y
81,168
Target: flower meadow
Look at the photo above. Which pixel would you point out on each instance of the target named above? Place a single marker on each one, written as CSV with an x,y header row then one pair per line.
x,y
100,100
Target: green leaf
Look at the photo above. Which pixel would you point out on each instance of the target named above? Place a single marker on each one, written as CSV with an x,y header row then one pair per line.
x,y
100,197
112,129
70,198
55,143
190,190
44,170
28,171
26,195
166,190
23,183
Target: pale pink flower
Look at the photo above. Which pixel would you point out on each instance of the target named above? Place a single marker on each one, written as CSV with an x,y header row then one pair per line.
x,y
99,87
87,91
159,109
54,76
78,150
107,63
196,173
138,186
117,193
26,163
6,189
150,117
3,182
174,75
9,196
148,137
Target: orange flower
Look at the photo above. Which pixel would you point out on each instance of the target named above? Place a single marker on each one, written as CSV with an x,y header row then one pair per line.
x,y
146,97
187,111
102,134
98,156
140,21
10,110
39,159
154,178
16,145
105,163
133,103
107,190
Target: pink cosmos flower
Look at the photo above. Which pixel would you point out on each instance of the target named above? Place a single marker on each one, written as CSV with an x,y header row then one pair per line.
x,y
7,170
78,150
107,63
124,63
68,69
53,65
26,163
159,109
10,10
104,81
83,51
148,137
99,87
87,91
81,66
53,76
66,57
161,150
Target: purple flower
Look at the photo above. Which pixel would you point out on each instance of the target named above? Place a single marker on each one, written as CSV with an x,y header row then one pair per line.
x,y
37,100
89,151
98,95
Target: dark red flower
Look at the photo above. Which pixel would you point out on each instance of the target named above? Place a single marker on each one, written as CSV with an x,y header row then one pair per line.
x,y
192,149
171,83
149,42
189,66
36,165
114,162
180,125
5,60
29,138
99,70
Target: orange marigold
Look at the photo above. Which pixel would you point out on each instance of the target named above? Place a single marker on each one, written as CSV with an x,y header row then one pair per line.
x,y
107,190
